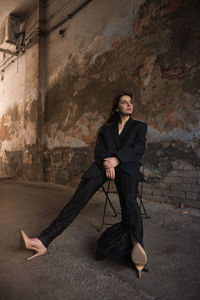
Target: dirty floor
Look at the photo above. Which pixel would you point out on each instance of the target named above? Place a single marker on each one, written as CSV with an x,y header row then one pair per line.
x,y
69,270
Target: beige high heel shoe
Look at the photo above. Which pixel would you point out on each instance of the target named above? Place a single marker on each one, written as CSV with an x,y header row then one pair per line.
x,y
27,245
139,258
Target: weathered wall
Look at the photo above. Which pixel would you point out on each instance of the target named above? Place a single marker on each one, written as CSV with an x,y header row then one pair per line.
x,y
167,74
78,93
12,116
19,98
70,79
151,50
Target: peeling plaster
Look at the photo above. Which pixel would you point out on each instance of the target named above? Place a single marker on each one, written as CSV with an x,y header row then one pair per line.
x,y
13,145
63,140
29,134
80,135
13,94
177,134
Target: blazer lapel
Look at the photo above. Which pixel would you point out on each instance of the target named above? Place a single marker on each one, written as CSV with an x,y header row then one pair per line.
x,y
125,132
115,135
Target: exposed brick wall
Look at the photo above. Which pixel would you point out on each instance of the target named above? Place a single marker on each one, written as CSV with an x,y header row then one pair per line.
x,y
179,186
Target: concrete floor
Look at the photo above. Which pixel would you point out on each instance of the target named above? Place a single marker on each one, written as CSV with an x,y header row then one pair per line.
x,y
69,269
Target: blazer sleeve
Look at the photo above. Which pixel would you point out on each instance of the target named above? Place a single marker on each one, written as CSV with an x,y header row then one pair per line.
x,y
135,152
100,151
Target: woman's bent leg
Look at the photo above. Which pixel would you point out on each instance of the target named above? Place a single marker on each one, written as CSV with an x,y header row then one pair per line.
x,y
131,215
84,192
117,239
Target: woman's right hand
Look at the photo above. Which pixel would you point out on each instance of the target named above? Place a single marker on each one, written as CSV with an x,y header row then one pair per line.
x,y
110,173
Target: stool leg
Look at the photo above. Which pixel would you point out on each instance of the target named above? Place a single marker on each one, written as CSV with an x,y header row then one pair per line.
x,y
104,211
106,192
108,199
142,204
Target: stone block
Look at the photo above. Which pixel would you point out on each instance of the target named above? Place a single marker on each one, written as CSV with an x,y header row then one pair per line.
x,y
189,167
173,180
189,180
184,173
178,164
180,173
157,192
163,192
175,186
173,193
190,173
183,165
162,199
178,194
147,196
191,195
159,185
157,198
172,173
189,187
192,203
147,190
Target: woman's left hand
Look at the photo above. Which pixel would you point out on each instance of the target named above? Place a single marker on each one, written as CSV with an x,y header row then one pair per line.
x,y
110,173
111,162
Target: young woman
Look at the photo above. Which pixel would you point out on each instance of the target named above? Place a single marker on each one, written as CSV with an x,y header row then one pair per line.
x,y
119,149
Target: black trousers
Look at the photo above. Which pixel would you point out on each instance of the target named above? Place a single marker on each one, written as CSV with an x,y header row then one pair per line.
x,y
127,190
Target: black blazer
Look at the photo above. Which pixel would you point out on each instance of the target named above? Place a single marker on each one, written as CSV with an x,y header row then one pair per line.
x,y
128,147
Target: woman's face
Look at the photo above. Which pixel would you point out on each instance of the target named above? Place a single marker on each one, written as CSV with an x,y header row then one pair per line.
x,y
125,105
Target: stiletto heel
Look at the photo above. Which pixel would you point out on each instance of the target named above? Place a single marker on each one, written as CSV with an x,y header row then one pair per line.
x,y
27,245
139,268
139,258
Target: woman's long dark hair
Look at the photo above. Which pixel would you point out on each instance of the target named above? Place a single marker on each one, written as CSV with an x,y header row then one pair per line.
x,y
114,115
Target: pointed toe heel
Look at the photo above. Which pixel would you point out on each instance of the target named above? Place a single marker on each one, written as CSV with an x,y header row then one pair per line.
x,y
27,245
26,242
139,258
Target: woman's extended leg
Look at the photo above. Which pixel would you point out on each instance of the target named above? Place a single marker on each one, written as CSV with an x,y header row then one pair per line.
x,y
84,192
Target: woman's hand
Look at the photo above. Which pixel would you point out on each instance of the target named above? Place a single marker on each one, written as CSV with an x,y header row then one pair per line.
x,y
110,173
111,162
